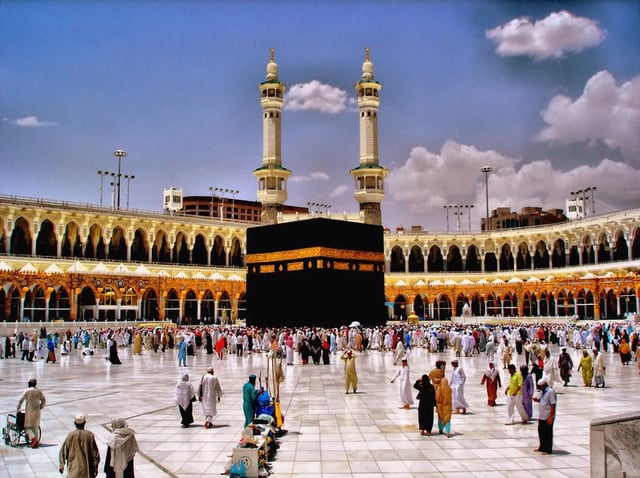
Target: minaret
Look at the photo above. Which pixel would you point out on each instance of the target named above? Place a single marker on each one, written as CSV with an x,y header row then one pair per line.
x,y
272,177
369,175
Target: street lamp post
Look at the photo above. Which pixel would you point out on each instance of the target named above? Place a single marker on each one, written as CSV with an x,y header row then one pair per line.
x,y
447,207
222,192
212,189
102,174
469,211
128,177
319,207
113,191
119,153
233,203
458,213
486,170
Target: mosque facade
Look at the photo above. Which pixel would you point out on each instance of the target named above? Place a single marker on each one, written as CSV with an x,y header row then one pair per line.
x,y
66,261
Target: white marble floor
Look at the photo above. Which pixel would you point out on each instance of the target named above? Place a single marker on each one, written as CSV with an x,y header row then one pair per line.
x,y
331,435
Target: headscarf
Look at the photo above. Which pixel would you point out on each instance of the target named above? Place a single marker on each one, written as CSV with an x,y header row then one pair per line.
x,y
123,446
184,391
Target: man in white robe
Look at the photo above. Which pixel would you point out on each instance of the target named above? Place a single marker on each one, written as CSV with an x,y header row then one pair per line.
x,y
458,378
34,401
210,394
406,387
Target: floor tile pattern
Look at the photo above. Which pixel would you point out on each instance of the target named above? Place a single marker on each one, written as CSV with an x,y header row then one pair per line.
x,y
330,434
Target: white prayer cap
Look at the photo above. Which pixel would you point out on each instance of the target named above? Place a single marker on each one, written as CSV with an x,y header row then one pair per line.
x,y
542,381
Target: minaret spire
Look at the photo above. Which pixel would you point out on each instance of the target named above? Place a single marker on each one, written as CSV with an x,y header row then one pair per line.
x,y
369,175
272,176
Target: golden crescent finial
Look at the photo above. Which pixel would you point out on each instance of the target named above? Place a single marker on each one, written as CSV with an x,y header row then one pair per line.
x,y
272,54
366,54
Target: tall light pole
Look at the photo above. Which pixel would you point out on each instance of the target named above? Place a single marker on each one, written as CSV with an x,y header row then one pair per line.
x,y
102,174
486,170
128,177
119,153
447,207
212,189
222,191
458,213
113,191
319,207
469,211
233,203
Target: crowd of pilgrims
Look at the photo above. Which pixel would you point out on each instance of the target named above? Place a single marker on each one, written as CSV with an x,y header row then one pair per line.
x,y
315,345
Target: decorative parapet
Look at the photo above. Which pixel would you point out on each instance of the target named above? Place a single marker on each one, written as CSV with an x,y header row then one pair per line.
x,y
615,446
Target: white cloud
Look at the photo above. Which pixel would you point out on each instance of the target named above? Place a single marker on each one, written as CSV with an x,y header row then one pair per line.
x,y
33,122
428,181
316,96
605,112
339,191
313,176
551,37
319,175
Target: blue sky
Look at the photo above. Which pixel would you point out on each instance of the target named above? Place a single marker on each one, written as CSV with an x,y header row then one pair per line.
x,y
547,93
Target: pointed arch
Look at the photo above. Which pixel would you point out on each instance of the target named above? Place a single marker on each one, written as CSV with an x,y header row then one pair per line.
x,y
523,261
442,308
71,241
530,304
149,309
416,260
558,258
172,306
190,315
541,256
199,252
506,258
59,304
400,307
461,300
118,245
588,252
397,259
46,242
454,259
87,304
237,257
604,249
608,305
477,305
21,237
635,246
140,246
510,305
161,251
473,263
218,252
181,249
435,261
628,301
584,304
621,252
420,306
95,248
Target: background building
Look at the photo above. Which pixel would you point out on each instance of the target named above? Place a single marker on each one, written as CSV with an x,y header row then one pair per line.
x,y
504,218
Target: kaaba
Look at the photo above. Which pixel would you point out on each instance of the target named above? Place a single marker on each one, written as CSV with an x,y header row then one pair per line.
x,y
317,272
